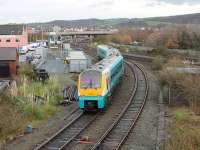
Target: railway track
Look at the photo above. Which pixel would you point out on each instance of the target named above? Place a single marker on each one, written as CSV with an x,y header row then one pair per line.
x,y
64,136
116,135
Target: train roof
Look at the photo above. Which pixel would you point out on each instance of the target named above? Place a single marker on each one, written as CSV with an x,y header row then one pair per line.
x,y
109,49
105,63
108,61
105,47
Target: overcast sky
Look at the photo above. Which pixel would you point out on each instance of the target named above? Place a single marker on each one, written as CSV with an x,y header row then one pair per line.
x,y
23,11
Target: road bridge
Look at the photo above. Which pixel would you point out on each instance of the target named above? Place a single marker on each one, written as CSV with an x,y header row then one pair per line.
x,y
86,33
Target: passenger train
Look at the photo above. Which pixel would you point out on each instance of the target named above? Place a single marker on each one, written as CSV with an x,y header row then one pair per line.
x,y
95,85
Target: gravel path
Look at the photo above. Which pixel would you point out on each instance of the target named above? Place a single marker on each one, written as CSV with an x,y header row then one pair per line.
x,y
144,135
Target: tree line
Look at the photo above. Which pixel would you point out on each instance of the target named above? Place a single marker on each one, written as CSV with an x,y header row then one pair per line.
x,y
172,37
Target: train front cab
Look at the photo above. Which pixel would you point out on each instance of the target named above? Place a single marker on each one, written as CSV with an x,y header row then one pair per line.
x,y
91,102
91,87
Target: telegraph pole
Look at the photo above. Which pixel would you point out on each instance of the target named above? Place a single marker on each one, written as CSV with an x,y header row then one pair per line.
x,y
42,33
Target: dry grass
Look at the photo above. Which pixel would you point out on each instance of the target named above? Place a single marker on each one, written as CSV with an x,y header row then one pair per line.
x,y
20,105
184,131
11,121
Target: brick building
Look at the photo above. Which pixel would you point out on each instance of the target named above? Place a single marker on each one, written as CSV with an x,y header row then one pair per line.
x,y
13,36
9,60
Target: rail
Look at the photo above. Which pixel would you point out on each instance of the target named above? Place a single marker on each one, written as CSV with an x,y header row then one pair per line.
x,y
115,136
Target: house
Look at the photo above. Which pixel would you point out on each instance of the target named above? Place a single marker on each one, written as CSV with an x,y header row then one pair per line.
x,y
8,62
13,36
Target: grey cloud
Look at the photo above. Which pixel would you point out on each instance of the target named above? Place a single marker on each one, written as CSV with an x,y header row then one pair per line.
x,y
103,3
191,2
2,2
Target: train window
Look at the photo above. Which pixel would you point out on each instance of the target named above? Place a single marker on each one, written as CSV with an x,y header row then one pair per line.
x,y
115,71
90,79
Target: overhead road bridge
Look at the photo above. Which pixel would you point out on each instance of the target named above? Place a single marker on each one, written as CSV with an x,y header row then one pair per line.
x,y
88,33
78,36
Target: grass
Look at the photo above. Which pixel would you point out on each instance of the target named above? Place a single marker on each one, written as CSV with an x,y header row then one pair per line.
x,y
19,108
183,130
29,101
39,112
12,121
36,99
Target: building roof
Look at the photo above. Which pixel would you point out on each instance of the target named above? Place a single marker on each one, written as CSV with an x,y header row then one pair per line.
x,y
77,55
11,29
8,54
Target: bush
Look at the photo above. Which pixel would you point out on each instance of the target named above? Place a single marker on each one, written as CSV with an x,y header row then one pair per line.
x,y
160,51
11,121
191,90
158,63
49,110
27,70
185,87
184,133
34,112
39,111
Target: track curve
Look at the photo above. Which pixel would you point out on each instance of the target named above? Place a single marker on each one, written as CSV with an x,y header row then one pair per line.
x,y
114,137
64,136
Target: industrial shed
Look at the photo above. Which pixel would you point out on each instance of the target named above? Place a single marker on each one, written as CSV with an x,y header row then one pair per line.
x,y
8,62
77,61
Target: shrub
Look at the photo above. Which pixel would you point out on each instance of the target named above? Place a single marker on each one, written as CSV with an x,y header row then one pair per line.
x,y
158,63
185,87
34,112
49,110
11,121
191,89
27,70
160,51
184,133
38,111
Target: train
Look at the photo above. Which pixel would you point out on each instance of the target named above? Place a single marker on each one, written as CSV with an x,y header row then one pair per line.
x,y
95,85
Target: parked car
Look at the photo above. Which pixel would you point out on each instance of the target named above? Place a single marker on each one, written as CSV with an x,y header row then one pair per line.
x,y
37,56
35,61
23,50
29,58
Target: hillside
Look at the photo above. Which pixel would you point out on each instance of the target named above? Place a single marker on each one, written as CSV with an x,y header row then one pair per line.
x,y
180,19
124,22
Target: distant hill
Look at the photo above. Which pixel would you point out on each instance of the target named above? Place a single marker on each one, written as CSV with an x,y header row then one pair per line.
x,y
83,23
180,19
123,22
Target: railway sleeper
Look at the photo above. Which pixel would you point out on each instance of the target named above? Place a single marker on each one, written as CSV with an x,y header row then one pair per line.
x,y
128,119
53,148
136,104
122,127
132,109
121,132
111,139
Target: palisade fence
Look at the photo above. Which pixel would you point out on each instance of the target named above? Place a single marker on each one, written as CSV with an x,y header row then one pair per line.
x,y
190,52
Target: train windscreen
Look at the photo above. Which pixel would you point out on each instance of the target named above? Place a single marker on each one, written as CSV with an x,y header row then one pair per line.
x,y
90,79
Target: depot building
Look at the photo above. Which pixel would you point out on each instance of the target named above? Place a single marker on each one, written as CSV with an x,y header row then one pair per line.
x,y
8,62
